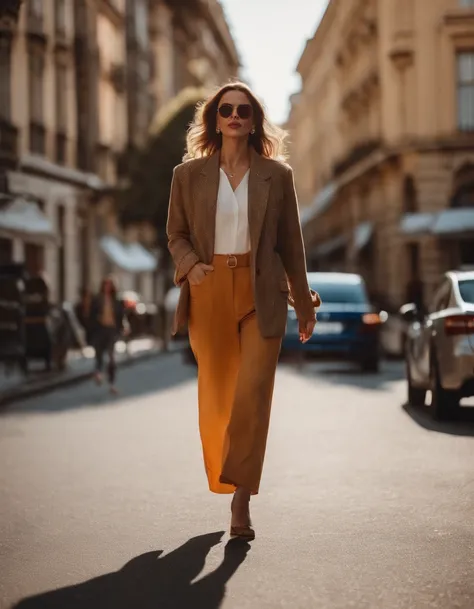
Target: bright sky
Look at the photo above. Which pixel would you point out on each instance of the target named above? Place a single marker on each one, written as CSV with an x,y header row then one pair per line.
x,y
270,36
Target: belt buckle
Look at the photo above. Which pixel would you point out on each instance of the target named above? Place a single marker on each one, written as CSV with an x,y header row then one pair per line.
x,y
231,259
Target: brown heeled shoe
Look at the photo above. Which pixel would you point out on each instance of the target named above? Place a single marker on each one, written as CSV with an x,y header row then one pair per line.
x,y
242,532
246,533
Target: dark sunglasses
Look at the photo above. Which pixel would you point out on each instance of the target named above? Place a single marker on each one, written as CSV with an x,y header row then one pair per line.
x,y
244,111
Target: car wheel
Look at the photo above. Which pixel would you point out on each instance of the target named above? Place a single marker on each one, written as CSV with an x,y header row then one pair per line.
x,y
444,403
416,396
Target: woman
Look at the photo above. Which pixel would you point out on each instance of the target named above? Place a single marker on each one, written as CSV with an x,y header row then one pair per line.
x,y
235,237
106,324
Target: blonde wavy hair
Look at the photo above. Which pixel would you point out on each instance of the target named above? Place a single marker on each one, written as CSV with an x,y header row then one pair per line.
x,y
202,139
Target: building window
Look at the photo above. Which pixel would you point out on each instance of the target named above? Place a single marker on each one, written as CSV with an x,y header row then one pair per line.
x,y
414,259
61,112
465,65
60,17
35,15
410,199
61,148
36,78
61,97
6,251
61,253
463,187
34,258
5,78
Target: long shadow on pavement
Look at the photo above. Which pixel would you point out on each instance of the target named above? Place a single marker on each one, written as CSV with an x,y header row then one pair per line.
x,y
141,378
151,582
462,426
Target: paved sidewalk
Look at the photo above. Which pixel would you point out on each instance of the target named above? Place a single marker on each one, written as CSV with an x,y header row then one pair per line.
x,y
15,386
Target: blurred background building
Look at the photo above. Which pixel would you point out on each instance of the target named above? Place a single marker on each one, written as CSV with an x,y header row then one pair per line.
x,y
383,142
81,82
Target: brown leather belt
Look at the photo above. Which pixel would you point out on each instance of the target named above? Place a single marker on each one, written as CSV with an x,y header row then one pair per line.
x,y
232,261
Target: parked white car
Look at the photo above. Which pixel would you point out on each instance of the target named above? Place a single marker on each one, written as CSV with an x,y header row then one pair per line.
x,y
439,347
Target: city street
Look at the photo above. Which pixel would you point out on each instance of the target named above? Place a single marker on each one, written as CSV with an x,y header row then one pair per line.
x,y
364,503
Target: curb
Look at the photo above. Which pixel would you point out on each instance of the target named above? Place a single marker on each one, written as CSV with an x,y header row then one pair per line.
x,y
47,386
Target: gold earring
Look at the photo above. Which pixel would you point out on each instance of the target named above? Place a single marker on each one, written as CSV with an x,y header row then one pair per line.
x,y
252,131
218,130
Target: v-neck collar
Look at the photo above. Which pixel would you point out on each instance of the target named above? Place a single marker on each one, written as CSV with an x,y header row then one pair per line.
x,y
205,195
239,184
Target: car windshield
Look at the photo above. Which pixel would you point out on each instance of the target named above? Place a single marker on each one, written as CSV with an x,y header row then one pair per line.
x,y
341,293
466,289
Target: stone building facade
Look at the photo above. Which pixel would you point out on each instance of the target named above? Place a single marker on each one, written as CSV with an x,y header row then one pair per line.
x,y
39,106
383,142
81,82
191,46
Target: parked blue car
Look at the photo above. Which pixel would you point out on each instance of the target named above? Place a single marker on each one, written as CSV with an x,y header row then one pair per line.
x,y
348,325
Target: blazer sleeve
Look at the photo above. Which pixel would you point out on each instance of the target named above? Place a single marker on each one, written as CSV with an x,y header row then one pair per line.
x,y
178,233
291,249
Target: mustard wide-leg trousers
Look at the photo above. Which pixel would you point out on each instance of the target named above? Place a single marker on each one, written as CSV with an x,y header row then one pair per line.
x,y
236,373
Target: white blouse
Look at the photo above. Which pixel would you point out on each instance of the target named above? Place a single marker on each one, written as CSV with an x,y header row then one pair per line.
x,y
232,225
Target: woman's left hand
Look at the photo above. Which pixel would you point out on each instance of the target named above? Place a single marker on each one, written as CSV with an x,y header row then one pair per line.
x,y
306,329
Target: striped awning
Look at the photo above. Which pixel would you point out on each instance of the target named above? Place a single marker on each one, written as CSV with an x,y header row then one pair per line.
x,y
19,217
131,257
362,235
454,222
450,222
416,224
320,203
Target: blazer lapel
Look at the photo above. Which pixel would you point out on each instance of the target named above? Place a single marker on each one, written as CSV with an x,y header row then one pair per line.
x,y
258,190
205,201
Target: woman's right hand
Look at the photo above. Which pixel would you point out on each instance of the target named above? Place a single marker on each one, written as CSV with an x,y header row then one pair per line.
x,y
197,274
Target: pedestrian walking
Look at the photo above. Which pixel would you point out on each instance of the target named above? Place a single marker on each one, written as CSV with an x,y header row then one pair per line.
x,y
235,237
107,324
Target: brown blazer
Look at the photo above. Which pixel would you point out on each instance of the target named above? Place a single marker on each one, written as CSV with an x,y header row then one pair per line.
x,y
278,262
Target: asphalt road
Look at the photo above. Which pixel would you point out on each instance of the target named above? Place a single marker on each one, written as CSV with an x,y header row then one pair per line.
x,y
364,502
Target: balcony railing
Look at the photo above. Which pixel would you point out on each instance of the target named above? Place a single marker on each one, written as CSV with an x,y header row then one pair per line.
x,y
37,138
8,143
